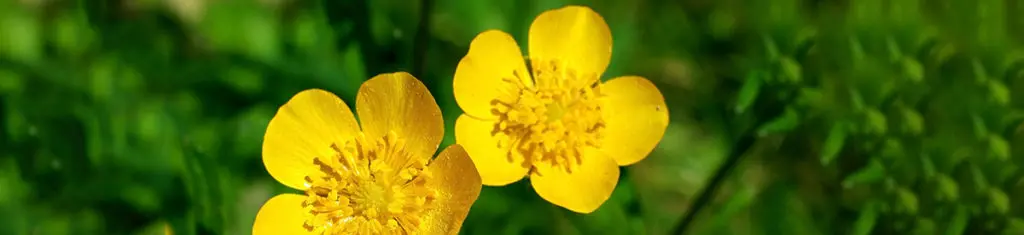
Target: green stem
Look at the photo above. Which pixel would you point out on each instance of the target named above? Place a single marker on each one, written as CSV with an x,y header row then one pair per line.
x,y
741,147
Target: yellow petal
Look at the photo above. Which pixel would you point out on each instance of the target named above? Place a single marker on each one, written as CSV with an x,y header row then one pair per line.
x,y
585,189
457,184
304,128
635,118
282,214
492,162
574,35
493,56
399,102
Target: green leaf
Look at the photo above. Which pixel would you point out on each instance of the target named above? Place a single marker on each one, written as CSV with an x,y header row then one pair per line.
x,y
907,200
889,184
980,75
856,100
812,97
913,123
856,49
771,50
942,53
924,226
892,148
833,143
736,204
948,189
866,221
748,93
788,121
141,197
893,48
873,172
1014,226
791,70
54,224
185,102
1000,93
739,201
998,147
805,40
980,129
71,35
782,199
152,122
999,203
958,224
20,36
15,188
1013,118
927,166
912,69
876,122
980,183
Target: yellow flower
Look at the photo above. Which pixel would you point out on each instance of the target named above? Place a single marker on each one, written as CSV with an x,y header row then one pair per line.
x,y
555,120
377,180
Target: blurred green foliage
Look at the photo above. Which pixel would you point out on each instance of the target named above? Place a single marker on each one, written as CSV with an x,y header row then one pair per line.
x,y
868,117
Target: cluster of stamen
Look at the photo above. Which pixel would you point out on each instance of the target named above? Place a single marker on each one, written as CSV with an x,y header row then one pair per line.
x,y
368,187
552,120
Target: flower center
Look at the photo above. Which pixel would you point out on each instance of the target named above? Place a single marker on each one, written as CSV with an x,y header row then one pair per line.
x,y
368,187
551,121
555,111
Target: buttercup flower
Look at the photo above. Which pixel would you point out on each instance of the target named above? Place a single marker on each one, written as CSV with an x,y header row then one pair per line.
x,y
375,180
555,120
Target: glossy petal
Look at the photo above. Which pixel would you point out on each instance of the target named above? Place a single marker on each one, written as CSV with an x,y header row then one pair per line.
x,y
479,78
492,162
399,102
282,214
458,186
574,35
635,117
583,190
304,128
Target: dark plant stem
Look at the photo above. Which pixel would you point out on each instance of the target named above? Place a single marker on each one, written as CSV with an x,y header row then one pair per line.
x,y
421,39
740,148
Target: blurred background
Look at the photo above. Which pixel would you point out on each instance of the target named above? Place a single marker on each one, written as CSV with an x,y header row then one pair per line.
x,y
788,116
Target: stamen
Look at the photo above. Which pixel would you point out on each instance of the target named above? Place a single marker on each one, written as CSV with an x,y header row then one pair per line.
x,y
368,186
552,121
